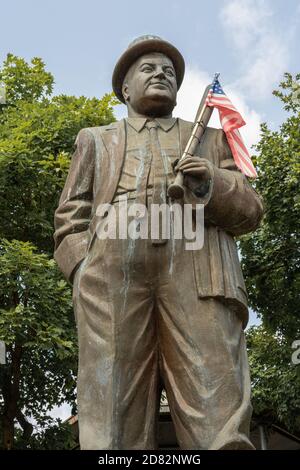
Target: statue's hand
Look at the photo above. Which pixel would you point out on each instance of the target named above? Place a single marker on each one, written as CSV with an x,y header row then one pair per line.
x,y
197,173
195,166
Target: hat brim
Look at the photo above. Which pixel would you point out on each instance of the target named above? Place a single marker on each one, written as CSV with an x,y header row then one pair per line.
x,y
139,49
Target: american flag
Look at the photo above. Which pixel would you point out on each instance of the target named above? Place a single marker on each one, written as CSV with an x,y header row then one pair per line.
x,y
231,120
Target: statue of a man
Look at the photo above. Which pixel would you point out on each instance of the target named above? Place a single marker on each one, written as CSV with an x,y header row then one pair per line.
x,y
150,313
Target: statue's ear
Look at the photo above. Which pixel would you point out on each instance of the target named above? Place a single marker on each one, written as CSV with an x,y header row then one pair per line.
x,y
125,91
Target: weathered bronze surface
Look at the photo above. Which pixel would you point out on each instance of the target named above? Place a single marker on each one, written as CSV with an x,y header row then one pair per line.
x,y
150,313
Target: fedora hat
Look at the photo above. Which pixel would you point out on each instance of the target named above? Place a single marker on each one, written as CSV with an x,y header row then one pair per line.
x,y
140,46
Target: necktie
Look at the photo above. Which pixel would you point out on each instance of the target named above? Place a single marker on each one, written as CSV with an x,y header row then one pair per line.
x,y
160,181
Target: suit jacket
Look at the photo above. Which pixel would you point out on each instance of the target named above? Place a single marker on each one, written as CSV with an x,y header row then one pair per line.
x,y
232,207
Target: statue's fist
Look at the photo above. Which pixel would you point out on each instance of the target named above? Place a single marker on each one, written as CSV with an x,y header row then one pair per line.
x,y
195,166
197,174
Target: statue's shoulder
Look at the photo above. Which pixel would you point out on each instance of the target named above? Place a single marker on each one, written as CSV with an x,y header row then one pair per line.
x,y
210,132
214,136
100,130
185,124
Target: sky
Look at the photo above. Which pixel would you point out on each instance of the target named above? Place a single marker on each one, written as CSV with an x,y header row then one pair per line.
x,y
250,42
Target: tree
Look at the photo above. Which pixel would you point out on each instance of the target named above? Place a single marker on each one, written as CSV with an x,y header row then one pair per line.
x,y
271,255
58,436
25,82
37,135
270,259
36,325
275,379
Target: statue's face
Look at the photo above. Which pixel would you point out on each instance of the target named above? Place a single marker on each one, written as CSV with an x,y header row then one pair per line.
x,y
150,86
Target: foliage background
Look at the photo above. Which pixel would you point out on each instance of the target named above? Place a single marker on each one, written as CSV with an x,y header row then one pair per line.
x,y
271,264
37,135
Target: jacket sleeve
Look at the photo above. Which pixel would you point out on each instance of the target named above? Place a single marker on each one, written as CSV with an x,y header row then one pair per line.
x,y
233,204
72,217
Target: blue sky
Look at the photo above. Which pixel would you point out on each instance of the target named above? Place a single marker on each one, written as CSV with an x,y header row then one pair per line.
x,y
250,42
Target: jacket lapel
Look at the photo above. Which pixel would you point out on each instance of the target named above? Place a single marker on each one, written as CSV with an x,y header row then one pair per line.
x,y
112,159
185,130
110,155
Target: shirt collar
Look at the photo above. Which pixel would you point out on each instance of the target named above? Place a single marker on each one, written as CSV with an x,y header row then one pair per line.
x,y
139,123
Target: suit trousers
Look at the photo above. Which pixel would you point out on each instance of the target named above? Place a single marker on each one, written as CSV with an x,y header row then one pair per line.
x,y
141,327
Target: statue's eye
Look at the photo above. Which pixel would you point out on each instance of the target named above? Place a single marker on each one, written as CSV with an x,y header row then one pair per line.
x,y
147,69
169,72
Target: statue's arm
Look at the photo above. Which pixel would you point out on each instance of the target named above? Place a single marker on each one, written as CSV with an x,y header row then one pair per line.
x,y
233,205
72,217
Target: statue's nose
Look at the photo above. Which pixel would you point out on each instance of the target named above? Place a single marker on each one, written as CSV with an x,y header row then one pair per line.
x,y
159,73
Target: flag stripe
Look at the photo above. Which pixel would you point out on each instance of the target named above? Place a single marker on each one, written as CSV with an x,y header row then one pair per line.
x,y
217,103
239,139
223,99
242,156
231,121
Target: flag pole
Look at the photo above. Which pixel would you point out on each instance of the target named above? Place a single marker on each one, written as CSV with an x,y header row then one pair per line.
x,y
204,112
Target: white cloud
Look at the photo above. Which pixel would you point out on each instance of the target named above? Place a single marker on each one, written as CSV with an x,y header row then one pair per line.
x,y
191,92
245,21
262,51
63,412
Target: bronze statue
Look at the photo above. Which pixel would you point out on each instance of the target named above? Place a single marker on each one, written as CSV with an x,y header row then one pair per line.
x,y
150,313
